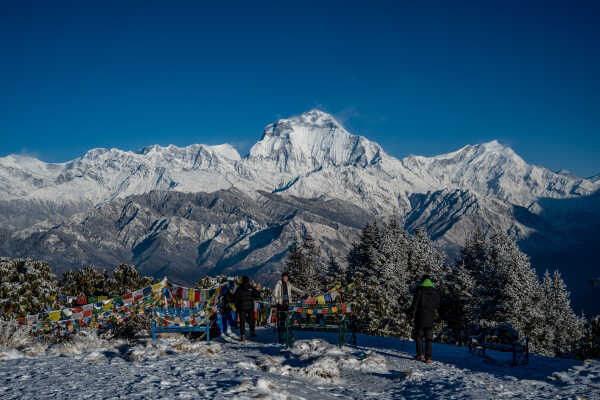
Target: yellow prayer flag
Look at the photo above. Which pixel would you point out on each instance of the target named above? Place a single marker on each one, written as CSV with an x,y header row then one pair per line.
x,y
102,298
54,315
309,311
108,306
191,295
157,286
321,300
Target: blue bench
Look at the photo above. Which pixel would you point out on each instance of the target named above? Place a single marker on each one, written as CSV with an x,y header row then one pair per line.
x,y
176,318
314,320
503,338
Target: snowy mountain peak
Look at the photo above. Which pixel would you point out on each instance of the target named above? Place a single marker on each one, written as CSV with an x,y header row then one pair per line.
x,y
312,140
223,150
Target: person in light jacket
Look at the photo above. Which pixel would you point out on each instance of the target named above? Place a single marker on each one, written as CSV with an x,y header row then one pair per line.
x,y
282,297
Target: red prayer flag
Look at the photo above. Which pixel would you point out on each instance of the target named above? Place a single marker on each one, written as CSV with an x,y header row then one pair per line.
x,y
197,296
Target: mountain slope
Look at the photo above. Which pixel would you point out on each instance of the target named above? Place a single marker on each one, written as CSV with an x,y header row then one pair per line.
x,y
185,236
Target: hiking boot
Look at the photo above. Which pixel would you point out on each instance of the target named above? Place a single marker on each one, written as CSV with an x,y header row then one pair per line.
x,y
421,358
243,339
428,361
252,335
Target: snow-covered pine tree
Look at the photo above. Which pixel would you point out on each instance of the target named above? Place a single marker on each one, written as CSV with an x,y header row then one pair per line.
x,y
589,345
424,258
507,288
385,265
395,280
563,327
302,268
456,307
364,271
335,273
363,252
26,287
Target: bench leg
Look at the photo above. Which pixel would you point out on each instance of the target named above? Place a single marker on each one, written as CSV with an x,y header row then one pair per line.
x,y
514,350
207,330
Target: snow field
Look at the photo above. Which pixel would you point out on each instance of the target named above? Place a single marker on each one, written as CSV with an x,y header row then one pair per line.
x,y
314,368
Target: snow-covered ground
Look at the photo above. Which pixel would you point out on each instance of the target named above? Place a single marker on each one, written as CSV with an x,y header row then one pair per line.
x,y
313,369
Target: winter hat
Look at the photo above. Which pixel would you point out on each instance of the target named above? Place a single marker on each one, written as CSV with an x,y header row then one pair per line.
x,y
426,281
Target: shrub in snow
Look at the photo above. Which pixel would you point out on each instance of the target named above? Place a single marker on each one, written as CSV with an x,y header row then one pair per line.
x,y
91,282
325,368
13,336
374,363
85,341
310,348
26,287
131,327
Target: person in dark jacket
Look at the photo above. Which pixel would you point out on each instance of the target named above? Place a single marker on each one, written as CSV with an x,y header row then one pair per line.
x,y
424,304
227,301
244,297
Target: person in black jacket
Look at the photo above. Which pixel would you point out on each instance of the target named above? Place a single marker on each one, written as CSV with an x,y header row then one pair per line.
x,y
244,297
424,304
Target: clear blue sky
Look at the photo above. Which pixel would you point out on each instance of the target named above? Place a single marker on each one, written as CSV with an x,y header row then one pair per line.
x,y
418,79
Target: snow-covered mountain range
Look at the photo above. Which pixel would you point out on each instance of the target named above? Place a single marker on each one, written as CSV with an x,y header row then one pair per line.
x,y
310,155
305,163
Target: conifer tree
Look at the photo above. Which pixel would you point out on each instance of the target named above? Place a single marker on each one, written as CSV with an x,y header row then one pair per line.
x,y
563,327
302,267
364,269
457,299
335,273
507,288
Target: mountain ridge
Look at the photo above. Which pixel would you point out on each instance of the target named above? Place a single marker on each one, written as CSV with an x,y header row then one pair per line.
x,y
289,152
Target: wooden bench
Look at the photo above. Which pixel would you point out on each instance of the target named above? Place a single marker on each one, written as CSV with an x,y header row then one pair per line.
x,y
503,338
180,319
311,317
